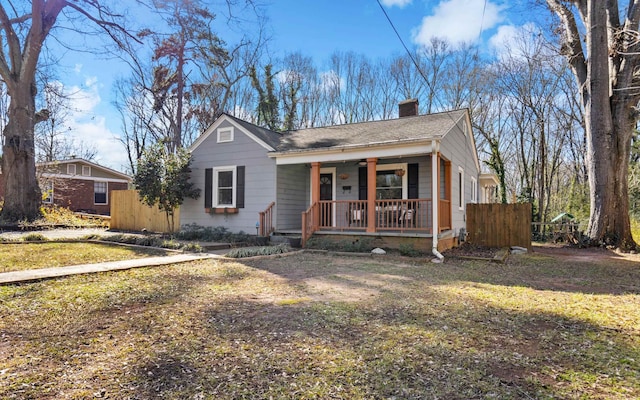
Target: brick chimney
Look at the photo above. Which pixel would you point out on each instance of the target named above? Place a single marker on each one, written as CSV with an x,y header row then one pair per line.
x,y
408,108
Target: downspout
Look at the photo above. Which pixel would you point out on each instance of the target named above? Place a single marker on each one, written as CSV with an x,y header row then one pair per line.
x,y
435,197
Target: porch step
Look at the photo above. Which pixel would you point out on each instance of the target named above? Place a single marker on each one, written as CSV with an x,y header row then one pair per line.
x,y
292,238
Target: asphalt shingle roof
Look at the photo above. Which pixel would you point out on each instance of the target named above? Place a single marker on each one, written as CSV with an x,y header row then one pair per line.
x,y
269,137
365,133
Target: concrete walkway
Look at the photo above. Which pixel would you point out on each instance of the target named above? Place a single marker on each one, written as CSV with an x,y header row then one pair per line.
x,y
35,274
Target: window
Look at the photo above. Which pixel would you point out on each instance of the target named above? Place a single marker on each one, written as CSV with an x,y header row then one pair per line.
x,y
474,190
224,187
71,169
391,181
47,193
225,135
100,192
461,187
86,170
388,185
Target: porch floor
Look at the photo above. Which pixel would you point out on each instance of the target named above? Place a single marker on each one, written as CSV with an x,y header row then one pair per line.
x,y
416,234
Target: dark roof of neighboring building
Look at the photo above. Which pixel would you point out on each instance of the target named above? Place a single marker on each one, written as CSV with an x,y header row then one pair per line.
x,y
404,129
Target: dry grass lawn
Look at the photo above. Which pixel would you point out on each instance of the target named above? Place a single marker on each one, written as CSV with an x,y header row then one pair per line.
x,y
25,256
545,325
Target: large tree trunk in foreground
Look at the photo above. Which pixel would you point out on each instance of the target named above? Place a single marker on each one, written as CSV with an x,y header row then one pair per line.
x,y
22,196
606,80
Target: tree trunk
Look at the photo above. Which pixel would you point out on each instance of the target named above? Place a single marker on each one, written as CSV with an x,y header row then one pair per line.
x,y
22,196
608,147
609,125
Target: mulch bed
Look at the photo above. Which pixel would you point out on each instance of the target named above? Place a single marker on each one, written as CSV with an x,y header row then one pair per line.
x,y
469,250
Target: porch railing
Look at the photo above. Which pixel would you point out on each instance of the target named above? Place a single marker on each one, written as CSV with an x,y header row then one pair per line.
x,y
390,215
444,214
266,220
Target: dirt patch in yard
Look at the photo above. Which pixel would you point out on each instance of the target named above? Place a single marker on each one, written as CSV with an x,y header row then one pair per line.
x,y
589,254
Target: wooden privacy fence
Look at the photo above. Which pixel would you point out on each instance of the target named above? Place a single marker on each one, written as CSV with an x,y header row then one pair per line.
x,y
128,213
499,225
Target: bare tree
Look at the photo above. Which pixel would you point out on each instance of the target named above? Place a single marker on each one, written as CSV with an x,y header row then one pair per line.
x,y
23,30
605,66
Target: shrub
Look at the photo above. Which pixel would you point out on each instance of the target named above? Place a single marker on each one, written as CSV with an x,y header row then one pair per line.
x,y
407,249
242,252
360,245
34,237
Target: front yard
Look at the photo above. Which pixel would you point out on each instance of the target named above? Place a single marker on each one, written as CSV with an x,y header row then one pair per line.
x,y
319,326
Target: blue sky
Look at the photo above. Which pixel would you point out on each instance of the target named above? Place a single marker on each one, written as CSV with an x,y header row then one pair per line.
x,y
316,28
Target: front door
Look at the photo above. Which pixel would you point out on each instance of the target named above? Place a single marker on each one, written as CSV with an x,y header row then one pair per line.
x,y
326,193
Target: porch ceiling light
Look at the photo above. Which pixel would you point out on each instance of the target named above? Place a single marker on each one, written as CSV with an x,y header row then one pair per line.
x,y
362,163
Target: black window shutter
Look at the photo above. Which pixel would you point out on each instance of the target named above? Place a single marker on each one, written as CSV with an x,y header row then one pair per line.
x,y
362,183
208,187
412,180
240,186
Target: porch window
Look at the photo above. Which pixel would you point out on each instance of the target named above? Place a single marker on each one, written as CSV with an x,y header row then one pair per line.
x,y
388,185
100,192
391,181
225,185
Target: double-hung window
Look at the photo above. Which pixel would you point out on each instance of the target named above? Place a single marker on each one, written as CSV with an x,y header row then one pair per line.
x,y
100,192
224,183
391,181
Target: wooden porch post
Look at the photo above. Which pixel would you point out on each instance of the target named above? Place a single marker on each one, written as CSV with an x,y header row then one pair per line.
x,y
371,194
315,191
435,195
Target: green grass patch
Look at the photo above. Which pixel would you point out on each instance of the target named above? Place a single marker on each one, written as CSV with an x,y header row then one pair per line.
x,y
329,327
635,230
24,256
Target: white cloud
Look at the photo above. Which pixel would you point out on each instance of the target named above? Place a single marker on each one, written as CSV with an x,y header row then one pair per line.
x,y
458,21
87,127
512,39
399,3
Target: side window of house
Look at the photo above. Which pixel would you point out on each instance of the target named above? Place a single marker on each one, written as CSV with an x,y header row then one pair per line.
x,y
474,190
71,169
224,187
461,187
86,170
100,192
225,184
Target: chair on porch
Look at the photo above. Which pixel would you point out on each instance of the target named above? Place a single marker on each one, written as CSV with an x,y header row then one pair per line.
x,y
357,217
406,219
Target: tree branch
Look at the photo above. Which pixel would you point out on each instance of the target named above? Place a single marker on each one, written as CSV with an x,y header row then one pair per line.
x,y
572,46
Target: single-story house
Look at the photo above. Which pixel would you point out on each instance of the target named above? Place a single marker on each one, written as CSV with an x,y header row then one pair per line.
x,y
408,178
78,184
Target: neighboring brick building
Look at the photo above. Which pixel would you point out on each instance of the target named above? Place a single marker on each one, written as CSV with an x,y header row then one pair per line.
x,y
78,184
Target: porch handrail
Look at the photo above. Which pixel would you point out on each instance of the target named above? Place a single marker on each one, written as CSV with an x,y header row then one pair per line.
x,y
266,220
309,223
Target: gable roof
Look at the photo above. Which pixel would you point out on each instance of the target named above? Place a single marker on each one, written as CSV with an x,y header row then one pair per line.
x,y
117,174
399,130
264,137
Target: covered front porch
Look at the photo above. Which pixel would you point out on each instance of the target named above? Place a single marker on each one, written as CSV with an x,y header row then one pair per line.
x,y
379,196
